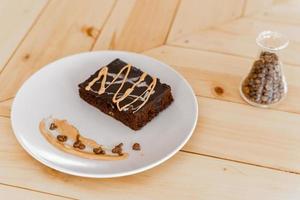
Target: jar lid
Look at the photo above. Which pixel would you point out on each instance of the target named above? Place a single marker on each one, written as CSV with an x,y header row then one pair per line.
x,y
272,41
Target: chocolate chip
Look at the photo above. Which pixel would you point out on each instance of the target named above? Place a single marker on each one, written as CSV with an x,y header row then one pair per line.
x,y
81,146
136,147
119,145
76,144
257,81
62,138
118,149
246,90
98,150
52,126
260,75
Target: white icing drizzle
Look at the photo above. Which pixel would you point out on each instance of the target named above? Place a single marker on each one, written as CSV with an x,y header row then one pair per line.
x,y
119,97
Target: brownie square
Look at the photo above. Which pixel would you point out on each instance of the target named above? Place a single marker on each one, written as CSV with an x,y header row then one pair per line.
x,y
126,93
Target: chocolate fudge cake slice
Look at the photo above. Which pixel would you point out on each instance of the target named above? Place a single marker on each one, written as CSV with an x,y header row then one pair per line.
x,y
126,93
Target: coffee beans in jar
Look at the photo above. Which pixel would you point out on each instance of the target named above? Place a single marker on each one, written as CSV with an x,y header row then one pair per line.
x,y
265,83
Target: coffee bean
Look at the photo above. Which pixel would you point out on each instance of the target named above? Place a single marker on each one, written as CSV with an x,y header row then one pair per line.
x,y
260,75
268,58
269,66
269,77
264,70
264,98
264,83
252,94
257,99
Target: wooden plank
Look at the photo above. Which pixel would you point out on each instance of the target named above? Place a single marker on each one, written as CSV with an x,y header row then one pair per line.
x,y
219,41
64,28
194,15
137,25
5,107
254,6
252,26
206,71
114,25
185,176
237,131
21,15
286,11
14,193
238,38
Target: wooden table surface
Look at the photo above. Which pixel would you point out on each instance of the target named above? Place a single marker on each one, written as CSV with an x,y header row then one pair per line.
x,y
236,152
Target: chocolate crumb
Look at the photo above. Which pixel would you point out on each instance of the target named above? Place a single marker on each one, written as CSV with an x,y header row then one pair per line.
x,y
52,126
136,147
118,149
98,150
120,145
62,138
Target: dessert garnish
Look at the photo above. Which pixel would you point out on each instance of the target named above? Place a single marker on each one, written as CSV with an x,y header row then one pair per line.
x,y
67,138
136,147
118,149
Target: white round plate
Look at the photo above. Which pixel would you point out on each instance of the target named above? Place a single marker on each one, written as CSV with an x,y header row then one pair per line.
x,y
53,91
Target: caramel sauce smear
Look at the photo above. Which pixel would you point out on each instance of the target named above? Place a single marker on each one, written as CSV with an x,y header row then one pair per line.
x,y
69,140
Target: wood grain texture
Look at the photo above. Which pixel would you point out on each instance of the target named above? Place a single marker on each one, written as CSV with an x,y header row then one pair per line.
x,y
206,71
114,25
247,134
137,25
238,38
259,134
283,11
185,176
194,15
5,107
16,18
252,26
64,28
14,193
253,6
236,152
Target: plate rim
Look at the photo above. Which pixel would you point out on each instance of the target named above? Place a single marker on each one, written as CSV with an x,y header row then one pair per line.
x,y
106,175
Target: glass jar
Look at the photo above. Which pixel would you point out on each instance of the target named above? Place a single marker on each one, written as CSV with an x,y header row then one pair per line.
x,y
265,85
